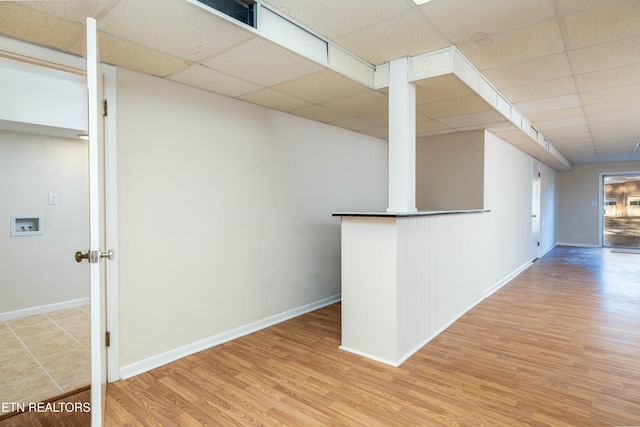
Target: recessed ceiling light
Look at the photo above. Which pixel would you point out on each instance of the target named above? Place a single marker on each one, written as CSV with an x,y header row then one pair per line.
x,y
419,2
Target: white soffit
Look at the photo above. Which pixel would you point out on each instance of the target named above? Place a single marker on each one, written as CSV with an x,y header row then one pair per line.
x,y
451,61
286,33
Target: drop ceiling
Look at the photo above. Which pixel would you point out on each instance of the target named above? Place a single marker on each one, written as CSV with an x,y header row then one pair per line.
x,y
568,68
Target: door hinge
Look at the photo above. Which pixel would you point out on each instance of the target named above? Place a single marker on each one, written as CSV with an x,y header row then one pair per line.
x,y
107,339
538,243
539,175
105,108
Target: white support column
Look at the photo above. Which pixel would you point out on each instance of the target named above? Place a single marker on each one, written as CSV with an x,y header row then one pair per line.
x,y
402,138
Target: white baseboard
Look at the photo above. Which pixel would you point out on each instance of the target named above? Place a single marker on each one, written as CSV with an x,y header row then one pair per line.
x,y
158,360
488,292
42,309
546,251
577,245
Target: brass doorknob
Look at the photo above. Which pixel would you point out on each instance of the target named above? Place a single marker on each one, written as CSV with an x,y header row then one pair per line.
x,y
80,256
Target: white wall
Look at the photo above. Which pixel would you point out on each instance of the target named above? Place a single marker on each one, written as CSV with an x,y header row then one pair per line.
x,y
36,270
508,194
450,171
548,191
225,212
578,201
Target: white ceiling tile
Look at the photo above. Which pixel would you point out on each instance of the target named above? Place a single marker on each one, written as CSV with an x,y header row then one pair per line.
x,y
382,133
626,106
483,118
441,88
607,55
613,77
428,126
611,94
319,113
404,35
31,25
561,123
547,89
126,54
353,123
534,41
214,81
552,115
465,20
320,15
72,10
263,62
273,99
380,119
535,70
177,28
360,105
603,23
570,140
454,107
567,131
569,6
555,103
322,87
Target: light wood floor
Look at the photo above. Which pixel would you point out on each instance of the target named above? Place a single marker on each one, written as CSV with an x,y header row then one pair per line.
x,y
557,346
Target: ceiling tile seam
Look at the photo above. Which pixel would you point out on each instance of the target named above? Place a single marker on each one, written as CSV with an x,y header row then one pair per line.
x,y
572,66
369,82
540,139
222,52
371,24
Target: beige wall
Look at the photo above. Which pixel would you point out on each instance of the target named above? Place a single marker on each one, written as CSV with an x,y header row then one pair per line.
x,y
579,211
38,271
476,169
450,171
225,211
508,195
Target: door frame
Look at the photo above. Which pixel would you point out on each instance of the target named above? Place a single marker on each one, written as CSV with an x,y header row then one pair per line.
x,y
111,218
601,199
536,187
27,52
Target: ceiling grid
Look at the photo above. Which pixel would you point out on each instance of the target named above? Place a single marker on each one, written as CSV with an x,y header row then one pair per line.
x,y
570,68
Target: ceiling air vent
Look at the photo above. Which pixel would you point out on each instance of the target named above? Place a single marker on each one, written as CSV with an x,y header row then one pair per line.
x,y
242,10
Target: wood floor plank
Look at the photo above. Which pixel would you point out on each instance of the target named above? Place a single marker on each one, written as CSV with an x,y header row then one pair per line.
x,y
549,349
557,346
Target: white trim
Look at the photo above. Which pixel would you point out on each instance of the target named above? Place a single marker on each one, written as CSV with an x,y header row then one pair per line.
x,y
42,309
546,251
111,205
372,357
158,360
490,291
42,56
577,245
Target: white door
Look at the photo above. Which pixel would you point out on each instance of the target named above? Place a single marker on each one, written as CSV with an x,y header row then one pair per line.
x,y
535,211
96,214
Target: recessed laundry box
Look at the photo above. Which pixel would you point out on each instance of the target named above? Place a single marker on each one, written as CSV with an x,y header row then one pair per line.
x,y
26,225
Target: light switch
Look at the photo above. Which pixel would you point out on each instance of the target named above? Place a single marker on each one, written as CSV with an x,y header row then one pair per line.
x,y
53,198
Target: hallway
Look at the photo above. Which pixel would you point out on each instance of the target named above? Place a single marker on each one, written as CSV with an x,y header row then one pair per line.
x,y
557,346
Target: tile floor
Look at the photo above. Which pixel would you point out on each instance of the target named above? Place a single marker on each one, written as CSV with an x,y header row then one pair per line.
x,y
44,356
